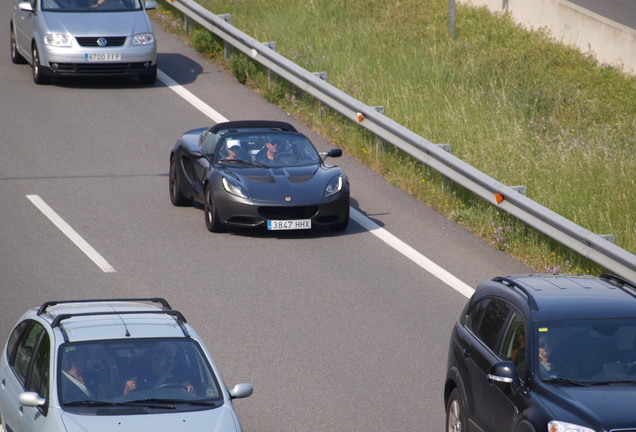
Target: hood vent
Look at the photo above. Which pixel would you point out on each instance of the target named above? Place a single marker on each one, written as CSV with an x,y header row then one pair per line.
x,y
300,179
261,179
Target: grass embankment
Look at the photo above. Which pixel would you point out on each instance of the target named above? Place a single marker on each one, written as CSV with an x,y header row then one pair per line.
x,y
514,104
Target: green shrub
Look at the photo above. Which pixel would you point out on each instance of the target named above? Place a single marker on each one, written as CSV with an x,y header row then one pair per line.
x,y
205,42
242,67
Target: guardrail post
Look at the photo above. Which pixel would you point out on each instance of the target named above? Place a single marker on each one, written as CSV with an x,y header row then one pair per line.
x,y
379,142
186,25
446,182
227,48
271,76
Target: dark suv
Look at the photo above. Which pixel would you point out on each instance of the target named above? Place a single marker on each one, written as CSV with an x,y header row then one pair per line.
x,y
553,353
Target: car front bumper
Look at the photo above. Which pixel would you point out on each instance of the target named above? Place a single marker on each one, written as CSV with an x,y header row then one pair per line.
x,y
138,60
240,212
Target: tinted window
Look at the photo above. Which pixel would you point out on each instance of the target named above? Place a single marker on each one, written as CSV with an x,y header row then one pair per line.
x,y
136,369
493,322
39,379
475,314
25,350
513,347
13,339
90,5
589,351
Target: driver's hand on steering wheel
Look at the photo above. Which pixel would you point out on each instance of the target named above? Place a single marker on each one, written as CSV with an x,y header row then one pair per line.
x,y
131,385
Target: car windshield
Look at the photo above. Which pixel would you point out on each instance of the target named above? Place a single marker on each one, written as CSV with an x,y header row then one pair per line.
x,y
138,372
90,5
588,352
267,150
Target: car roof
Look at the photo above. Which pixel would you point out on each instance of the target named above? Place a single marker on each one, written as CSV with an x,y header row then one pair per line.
x,y
565,296
81,320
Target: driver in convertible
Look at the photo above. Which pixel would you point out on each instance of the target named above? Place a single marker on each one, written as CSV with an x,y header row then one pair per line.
x,y
162,373
270,151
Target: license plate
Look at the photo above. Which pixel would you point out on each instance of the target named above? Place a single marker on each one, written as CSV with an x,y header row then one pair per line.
x,y
102,57
289,224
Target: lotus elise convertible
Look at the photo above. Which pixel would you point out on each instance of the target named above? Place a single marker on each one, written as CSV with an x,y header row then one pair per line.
x,y
254,174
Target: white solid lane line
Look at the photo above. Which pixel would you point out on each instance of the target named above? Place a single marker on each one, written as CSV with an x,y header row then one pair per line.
x,y
412,254
71,234
367,223
191,98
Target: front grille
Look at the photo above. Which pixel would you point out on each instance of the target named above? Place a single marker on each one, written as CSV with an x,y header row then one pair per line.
x,y
285,213
100,68
111,41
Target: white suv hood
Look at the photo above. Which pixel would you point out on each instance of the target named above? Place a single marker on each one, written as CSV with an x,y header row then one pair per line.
x,y
98,23
220,419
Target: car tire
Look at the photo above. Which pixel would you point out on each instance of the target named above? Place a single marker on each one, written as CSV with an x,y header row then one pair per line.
x,y
212,222
150,78
455,413
16,57
176,197
38,76
341,226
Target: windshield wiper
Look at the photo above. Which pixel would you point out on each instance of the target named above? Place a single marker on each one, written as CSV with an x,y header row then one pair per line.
x,y
235,161
200,402
620,382
243,162
566,381
146,403
173,401
89,403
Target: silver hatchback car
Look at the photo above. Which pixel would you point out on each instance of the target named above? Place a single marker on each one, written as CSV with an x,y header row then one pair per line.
x,y
84,38
125,365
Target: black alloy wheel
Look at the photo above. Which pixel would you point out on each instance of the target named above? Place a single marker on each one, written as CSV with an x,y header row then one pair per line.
x,y
212,222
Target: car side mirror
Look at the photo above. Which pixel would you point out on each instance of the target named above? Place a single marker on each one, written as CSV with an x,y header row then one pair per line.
x,y
25,6
198,154
241,390
504,372
31,399
150,4
332,153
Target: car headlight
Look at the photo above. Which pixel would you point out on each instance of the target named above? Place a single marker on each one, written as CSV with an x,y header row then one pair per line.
x,y
557,426
233,188
57,40
143,39
334,186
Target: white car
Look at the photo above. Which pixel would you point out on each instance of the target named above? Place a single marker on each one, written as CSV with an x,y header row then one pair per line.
x,y
84,38
125,365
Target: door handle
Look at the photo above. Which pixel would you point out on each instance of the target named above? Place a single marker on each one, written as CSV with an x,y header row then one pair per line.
x,y
466,353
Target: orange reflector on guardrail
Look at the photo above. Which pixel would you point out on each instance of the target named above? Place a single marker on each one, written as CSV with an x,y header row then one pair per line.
x,y
499,198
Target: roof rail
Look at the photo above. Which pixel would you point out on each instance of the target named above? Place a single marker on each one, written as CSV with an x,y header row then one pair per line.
x,y
509,282
59,318
617,280
160,300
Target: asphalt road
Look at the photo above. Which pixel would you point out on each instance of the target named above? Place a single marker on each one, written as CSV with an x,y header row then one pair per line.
x,y
621,11
337,331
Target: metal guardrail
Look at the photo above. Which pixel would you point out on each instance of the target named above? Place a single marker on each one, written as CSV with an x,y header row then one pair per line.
x,y
573,236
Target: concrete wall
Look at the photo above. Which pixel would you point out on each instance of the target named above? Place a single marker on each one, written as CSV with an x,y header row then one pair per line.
x,y
609,41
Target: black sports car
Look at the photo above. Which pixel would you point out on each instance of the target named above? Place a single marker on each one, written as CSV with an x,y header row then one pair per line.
x,y
258,174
